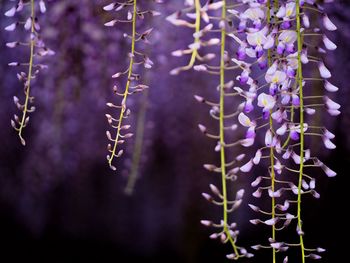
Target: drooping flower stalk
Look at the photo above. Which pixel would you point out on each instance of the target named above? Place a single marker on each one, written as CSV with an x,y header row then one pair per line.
x,y
272,153
193,48
227,231
232,239
132,12
275,34
116,141
30,69
37,48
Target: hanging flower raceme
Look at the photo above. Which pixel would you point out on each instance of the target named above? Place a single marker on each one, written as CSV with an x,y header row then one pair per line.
x,y
128,12
278,32
26,13
193,16
226,231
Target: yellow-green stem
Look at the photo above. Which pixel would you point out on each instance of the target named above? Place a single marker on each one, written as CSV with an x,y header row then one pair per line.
x,y
301,167
272,154
123,109
222,127
30,72
197,38
273,201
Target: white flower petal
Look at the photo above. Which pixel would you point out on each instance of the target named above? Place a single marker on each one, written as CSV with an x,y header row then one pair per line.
x,y
247,167
288,36
268,138
256,182
328,43
324,72
257,157
328,143
266,101
244,120
42,6
240,194
11,27
328,24
257,38
11,12
271,221
328,134
272,69
328,171
330,87
282,130
247,142
333,112
310,111
28,23
296,158
306,21
281,12
331,105
240,157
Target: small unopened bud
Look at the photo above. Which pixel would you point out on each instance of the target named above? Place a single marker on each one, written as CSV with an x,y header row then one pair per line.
x,y
254,208
231,256
208,197
202,128
128,135
223,238
315,256
215,190
109,136
199,98
206,222
13,124
214,236
209,167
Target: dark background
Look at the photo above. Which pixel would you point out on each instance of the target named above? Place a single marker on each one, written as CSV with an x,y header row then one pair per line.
x,y
59,202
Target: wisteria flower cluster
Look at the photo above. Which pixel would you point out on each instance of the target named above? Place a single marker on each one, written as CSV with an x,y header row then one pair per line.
x,y
275,55
26,15
263,55
128,12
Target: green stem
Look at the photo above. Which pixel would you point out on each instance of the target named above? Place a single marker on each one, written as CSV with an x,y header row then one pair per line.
x,y
123,109
197,38
222,135
272,154
30,72
301,167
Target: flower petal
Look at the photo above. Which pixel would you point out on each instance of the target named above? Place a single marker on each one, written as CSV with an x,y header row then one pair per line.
x,y
324,72
328,24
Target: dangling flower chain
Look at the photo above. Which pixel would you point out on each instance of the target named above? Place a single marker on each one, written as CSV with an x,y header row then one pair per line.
x,y
132,12
268,28
37,49
270,34
228,232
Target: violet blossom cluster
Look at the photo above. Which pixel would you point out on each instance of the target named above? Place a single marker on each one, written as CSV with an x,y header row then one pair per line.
x,y
25,13
276,37
276,54
209,31
128,12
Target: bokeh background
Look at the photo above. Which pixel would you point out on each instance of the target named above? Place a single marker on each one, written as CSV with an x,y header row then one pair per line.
x,y
59,201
